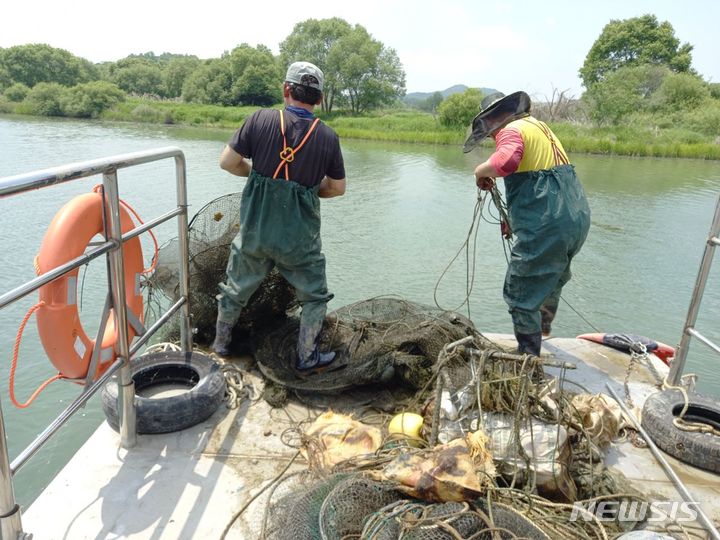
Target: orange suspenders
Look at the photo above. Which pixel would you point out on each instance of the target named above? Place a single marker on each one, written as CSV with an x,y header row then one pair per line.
x,y
287,154
560,157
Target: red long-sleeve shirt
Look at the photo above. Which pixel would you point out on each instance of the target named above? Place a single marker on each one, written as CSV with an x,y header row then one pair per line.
x,y
509,148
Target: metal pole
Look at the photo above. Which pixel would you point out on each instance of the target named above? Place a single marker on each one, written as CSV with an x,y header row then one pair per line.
x,y
184,278
80,401
678,364
10,525
64,416
43,279
126,393
10,185
682,490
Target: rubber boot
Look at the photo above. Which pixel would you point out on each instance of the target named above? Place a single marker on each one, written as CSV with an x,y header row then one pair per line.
x,y
529,343
547,315
309,358
223,337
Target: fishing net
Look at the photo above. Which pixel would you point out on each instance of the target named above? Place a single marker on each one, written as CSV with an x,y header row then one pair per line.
x,y
408,520
331,508
384,339
350,503
343,506
210,234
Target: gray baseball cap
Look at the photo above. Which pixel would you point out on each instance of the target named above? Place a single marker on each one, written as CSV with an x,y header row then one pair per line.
x,y
303,73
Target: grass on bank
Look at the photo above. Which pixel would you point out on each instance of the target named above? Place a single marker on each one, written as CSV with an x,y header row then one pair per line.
x,y
171,112
642,138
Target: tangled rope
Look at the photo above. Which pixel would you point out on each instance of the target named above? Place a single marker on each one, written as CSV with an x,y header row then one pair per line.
x,y
688,425
237,389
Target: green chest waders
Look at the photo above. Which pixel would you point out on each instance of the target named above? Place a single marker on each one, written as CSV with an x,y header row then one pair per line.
x,y
549,214
280,227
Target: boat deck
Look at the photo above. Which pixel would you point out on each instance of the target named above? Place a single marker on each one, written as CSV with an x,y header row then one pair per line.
x,y
190,484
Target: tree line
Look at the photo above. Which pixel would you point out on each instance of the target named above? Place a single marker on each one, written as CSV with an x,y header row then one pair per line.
x,y
636,71
361,74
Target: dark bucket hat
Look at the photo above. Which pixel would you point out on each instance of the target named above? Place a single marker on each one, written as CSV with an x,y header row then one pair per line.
x,y
496,110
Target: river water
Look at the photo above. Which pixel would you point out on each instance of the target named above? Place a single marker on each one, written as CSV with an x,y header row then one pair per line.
x,y
405,216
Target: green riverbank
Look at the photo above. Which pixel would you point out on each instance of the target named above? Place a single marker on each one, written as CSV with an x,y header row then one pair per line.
x,y
414,126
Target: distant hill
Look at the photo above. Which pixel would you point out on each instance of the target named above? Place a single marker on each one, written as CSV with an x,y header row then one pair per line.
x,y
413,99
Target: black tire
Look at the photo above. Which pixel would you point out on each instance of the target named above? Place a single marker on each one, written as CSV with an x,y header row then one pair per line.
x,y
201,375
699,449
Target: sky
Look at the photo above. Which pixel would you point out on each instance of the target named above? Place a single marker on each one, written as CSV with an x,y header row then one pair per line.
x,y
532,45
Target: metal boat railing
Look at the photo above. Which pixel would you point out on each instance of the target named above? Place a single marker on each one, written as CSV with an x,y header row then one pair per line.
x,y
10,522
689,331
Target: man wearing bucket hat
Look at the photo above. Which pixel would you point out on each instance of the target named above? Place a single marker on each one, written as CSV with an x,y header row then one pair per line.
x,y
547,210
295,160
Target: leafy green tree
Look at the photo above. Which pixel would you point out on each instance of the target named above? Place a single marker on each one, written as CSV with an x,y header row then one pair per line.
x,y
90,99
681,91
632,42
256,76
624,91
311,41
104,70
211,83
35,63
459,109
432,103
705,120
16,92
138,76
714,89
176,72
359,70
5,80
368,74
44,99
386,84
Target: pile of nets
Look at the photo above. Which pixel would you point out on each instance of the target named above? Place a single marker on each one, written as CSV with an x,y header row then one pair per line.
x,y
342,506
381,340
506,452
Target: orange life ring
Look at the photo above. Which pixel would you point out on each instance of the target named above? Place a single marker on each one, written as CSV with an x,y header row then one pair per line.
x,y
67,345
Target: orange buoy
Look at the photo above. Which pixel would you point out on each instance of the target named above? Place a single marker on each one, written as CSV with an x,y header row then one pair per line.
x,y
61,332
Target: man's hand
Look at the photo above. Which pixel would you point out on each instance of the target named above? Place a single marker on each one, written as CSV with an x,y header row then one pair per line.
x,y
485,183
505,230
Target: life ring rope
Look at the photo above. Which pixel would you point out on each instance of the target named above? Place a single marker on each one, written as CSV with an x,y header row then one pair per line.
x,y
153,265
13,365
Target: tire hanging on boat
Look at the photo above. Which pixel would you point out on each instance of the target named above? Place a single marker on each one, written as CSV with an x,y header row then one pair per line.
x,y
697,448
65,341
197,375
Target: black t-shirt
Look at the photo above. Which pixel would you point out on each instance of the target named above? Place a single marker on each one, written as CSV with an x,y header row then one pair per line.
x,y
260,139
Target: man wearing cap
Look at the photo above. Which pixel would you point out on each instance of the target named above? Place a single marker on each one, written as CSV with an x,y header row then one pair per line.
x,y
547,210
295,160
